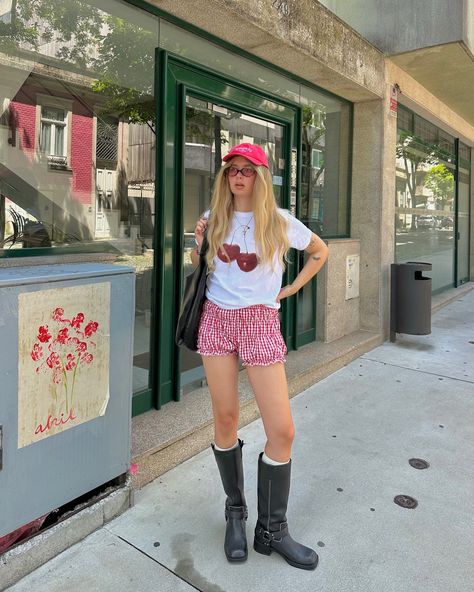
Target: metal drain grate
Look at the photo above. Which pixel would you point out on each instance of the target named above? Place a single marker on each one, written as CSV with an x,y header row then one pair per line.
x,y
419,463
405,501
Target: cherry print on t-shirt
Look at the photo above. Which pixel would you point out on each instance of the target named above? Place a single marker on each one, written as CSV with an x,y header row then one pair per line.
x,y
231,252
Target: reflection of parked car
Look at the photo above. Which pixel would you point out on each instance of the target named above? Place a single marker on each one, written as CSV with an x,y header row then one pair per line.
x,y
426,222
446,222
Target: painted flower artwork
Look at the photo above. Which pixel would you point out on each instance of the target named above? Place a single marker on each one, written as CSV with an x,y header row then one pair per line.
x,y
63,347
63,359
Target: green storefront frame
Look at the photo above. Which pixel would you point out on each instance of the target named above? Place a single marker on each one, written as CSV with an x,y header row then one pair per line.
x,y
177,78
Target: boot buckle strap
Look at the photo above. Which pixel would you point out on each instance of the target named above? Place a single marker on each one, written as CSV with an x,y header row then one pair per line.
x,y
268,536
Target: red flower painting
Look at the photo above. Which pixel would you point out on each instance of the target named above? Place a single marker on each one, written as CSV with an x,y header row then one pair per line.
x,y
63,347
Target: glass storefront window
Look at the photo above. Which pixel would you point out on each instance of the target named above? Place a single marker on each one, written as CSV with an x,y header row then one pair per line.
x,y
425,196
73,84
325,164
192,47
77,138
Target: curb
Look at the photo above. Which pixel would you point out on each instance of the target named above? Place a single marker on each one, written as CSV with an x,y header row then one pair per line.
x,y
25,557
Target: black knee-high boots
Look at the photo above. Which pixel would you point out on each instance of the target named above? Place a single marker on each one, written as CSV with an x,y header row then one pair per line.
x,y
271,531
231,471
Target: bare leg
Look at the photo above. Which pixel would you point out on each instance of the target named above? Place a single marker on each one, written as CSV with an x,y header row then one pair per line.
x,y
222,377
271,393
271,531
221,373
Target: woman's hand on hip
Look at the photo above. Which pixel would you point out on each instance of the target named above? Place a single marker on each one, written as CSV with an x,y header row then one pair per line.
x,y
285,292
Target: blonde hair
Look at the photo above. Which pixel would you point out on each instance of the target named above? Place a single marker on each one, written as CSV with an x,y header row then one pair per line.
x,y
270,226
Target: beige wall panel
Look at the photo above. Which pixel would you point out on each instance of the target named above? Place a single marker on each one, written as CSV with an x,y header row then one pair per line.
x,y
336,316
366,210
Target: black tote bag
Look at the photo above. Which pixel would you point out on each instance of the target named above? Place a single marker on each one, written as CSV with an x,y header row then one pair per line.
x,y
192,303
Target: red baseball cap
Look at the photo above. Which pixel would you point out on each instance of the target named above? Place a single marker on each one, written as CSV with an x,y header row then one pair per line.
x,y
251,152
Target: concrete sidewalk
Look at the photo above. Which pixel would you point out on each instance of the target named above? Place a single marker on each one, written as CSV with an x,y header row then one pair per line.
x,y
356,431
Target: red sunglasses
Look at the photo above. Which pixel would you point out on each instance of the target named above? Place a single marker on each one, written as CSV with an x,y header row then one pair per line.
x,y
245,171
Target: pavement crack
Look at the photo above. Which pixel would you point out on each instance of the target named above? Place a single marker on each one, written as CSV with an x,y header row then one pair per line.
x,y
418,370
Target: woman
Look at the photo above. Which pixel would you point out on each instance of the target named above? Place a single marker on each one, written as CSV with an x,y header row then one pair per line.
x,y
248,240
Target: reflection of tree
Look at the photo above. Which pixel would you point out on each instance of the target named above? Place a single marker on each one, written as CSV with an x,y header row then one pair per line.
x,y
125,65
313,132
121,53
415,153
71,24
205,127
117,57
440,180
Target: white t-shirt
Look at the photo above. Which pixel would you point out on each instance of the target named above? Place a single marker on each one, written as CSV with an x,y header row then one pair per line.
x,y
229,286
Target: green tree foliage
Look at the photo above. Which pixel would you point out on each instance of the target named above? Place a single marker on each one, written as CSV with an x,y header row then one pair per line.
x,y
440,180
119,55
125,66
72,24
415,155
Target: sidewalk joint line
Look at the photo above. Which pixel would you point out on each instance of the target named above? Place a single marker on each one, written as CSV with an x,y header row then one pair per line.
x,y
419,370
155,560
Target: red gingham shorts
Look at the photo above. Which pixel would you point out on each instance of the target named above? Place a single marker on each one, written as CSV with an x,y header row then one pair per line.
x,y
252,332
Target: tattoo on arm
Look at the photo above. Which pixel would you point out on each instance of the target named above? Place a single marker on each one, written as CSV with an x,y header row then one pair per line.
x,y
316,257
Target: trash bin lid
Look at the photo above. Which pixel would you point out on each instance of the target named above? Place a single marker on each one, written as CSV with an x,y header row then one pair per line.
x,y
422,266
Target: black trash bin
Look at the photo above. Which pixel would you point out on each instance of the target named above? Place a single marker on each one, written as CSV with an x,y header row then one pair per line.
x,y
410,299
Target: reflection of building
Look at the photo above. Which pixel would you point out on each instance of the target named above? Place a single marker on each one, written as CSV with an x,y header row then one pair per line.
x,y
53,138
81,173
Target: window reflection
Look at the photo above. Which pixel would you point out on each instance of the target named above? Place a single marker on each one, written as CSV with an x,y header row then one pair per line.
x,y
77,130
464,194
78,137
425,196
324,178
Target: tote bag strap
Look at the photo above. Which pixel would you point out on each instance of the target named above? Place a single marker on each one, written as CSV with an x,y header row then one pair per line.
x,y
205,243
204,246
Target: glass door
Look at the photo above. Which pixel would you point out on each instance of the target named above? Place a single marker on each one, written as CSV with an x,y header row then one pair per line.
x,y
462,214
211,130
203,116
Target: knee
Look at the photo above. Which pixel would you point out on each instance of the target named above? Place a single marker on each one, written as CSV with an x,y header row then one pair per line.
x,y
283,436
226,422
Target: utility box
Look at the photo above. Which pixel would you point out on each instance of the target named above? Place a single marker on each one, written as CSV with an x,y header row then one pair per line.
x,y
410,299
66,342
